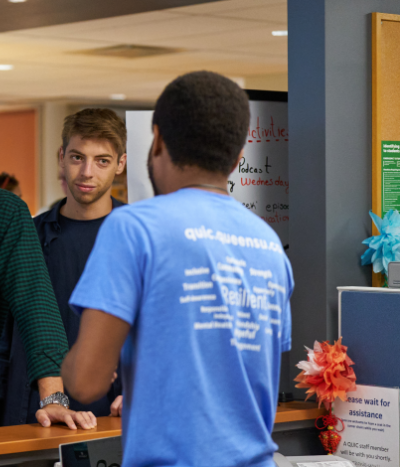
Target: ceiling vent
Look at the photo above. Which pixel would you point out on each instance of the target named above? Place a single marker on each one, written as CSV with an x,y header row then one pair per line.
x,y
130,51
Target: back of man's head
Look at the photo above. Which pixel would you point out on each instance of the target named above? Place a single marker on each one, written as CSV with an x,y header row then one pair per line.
x,y
203,119
96,123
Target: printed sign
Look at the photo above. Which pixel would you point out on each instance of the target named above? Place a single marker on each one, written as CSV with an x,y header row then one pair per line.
x,y
390,176
371,434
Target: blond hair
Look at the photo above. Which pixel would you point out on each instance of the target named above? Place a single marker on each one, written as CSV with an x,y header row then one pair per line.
x,y
96,123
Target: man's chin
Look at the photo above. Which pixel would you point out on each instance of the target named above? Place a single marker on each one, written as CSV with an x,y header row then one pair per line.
x,y
85,198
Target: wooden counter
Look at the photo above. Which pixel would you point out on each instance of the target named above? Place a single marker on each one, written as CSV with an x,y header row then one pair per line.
x,y
24,438
297,411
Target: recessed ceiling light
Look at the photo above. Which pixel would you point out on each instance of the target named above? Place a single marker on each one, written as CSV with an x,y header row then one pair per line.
x,y
279,33
4,67
118,97
17,1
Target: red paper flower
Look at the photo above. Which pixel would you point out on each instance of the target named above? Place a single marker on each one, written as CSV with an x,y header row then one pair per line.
x,y
327,373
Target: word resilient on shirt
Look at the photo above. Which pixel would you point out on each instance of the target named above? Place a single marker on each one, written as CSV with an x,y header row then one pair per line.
x,y
205,285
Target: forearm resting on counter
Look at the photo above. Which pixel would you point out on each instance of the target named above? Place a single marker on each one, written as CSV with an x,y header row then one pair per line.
x,y
50,385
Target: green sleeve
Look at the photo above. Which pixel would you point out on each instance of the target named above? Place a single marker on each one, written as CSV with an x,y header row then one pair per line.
x,y
27,293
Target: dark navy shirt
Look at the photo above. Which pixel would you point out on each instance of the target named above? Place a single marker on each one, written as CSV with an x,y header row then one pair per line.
x,y
66,260
66,245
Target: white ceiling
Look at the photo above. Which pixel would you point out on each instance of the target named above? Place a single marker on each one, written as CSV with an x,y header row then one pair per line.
x,y
232,37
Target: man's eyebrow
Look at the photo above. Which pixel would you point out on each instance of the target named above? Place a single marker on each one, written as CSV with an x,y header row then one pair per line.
x,y
75,151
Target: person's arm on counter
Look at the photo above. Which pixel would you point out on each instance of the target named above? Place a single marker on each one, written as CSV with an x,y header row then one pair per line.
x,y
54,413
27,293
89,366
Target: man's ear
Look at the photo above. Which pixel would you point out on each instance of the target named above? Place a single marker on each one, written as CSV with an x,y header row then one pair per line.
x,y
237,160
61,160
121,164
158,143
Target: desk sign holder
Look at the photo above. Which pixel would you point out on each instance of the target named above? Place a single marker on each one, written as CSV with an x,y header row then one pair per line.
x,y
371,434
104,452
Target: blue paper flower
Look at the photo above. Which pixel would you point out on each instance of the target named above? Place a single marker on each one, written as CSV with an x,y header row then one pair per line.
x,y
383,248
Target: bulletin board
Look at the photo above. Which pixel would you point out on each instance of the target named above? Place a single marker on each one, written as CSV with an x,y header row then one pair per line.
x,y
385,117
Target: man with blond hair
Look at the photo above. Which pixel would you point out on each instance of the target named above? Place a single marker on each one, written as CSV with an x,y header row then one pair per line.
x,y
92,153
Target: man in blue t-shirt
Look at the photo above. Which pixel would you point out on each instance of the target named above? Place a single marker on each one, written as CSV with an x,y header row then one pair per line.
x,y
195,289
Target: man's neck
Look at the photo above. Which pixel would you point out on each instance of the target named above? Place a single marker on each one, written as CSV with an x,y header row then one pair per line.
x,y
197,178
208,187
86,212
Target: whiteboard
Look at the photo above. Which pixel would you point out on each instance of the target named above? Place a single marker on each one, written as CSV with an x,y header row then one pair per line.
x,y
260,182
139,139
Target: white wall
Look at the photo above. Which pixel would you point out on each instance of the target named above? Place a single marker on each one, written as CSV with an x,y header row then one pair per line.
x,y
51,123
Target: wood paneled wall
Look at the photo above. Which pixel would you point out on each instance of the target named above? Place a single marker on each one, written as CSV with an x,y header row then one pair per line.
x,y
18,153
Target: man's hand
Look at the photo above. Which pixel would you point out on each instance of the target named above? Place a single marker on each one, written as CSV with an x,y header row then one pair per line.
x,y
54,413
116,407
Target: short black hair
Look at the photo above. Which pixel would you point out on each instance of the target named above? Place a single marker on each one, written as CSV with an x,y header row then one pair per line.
x,y
203,119
8,182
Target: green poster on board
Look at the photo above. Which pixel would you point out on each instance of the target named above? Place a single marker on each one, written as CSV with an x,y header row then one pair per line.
x,y
390,176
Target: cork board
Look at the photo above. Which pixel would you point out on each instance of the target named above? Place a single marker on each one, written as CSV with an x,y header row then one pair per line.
x,y
385,117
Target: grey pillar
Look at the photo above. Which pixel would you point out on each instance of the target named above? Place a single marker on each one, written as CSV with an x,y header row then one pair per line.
x,y
329,157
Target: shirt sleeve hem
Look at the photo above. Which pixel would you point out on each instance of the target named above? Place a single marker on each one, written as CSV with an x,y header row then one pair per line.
x,y
46,363
286,346
110,308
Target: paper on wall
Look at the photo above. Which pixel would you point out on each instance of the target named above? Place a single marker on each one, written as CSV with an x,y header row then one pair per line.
x,y
326,464
371,434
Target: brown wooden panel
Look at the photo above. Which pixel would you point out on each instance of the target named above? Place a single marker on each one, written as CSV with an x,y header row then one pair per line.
x,y
24,438
18,142
37,13
297,411
376,121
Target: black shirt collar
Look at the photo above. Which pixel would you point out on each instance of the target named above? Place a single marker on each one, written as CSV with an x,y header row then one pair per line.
x,y
54,213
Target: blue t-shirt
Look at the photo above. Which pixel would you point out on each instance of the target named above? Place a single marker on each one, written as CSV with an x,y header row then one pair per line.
x,y
205,286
